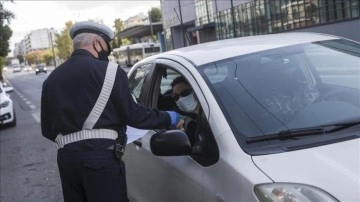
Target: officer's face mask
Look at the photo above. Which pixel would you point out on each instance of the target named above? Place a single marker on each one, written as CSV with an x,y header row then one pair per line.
x,y
187,103
102,55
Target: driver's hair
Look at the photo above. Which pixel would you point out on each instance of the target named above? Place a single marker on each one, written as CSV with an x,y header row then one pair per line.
x,y
179,79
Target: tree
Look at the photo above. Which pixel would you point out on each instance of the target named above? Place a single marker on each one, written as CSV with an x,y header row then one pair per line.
x,y
119,26
47,56
20,58
155,14
34,57
5,34
64,43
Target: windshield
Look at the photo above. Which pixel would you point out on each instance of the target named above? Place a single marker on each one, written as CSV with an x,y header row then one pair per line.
x,y
301,86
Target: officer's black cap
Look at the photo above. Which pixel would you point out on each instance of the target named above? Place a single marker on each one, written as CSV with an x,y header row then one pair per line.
x,y
92,27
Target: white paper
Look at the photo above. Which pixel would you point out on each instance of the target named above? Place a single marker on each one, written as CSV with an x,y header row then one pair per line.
x,y
134,134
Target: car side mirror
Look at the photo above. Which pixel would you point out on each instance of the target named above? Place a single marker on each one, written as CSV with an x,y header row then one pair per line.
x,y
170,143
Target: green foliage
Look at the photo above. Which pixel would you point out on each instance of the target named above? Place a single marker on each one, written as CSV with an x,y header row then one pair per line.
x,y
155,14
5,34
64,43
5,31
47,56
125,41
119,26
34,57
5,14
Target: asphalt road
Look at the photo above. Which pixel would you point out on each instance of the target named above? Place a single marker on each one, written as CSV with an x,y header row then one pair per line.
x,y
28,169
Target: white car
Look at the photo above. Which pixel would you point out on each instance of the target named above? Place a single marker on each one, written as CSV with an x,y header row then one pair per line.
x,y
279,120
7,111
16,68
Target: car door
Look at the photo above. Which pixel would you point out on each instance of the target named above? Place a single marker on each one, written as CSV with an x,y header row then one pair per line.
x,y
171,178
138,77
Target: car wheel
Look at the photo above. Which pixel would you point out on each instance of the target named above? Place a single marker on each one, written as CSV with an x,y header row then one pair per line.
x,y
12,124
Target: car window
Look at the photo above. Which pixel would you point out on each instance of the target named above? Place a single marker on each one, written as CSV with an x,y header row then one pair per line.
x,y
168,76
196,125
136,80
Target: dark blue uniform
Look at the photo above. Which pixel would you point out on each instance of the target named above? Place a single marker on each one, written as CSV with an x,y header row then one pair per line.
x,y
68,96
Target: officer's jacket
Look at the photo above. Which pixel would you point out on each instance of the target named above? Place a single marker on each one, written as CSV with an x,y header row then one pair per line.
x,y
71,90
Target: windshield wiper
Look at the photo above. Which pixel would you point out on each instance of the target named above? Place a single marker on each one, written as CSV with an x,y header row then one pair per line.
x,y
286,134
300,132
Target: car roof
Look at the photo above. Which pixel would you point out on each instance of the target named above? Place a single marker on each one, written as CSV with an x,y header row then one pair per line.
x,y
217,50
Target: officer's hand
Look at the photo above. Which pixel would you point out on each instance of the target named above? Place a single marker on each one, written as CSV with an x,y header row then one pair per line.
x,y
175,117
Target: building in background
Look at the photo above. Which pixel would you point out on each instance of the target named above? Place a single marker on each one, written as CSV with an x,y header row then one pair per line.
x,y
139,19
140,30
39,40
19,49
198,21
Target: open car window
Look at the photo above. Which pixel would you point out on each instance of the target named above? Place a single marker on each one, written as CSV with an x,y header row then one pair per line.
x,y
196,126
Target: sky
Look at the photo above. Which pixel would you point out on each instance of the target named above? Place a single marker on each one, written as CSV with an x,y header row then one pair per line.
x,y
33,15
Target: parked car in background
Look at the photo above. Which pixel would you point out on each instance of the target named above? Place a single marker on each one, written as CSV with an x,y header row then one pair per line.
x,y
27,68
7,111
7,87
40,68
5,69
278,120
16,68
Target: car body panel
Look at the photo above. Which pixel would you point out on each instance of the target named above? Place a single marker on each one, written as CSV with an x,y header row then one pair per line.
x,y
334,165
161,179
233,177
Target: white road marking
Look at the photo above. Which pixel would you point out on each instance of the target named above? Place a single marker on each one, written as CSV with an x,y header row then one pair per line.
x,y
36,116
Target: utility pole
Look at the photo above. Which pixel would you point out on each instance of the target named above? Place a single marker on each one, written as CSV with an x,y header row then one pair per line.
x,y
52,46
233,18
181,23
151,28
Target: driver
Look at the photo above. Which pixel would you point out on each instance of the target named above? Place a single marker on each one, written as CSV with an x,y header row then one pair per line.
x,y
185,99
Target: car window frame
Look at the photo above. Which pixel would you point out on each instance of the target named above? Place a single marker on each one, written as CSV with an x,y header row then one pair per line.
x,y
154,82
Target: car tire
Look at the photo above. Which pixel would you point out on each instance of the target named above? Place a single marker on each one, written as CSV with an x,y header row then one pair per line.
x,y
13,124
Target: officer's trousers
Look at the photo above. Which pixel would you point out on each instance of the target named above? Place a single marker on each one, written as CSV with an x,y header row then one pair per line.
x,y
92,176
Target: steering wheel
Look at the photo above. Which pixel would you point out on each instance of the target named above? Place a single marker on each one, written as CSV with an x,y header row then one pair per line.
x,y
328,95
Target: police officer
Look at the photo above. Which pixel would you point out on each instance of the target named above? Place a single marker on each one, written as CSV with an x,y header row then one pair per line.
x,y
85,106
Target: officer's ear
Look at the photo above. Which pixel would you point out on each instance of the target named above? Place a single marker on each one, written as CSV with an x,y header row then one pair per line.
x,y
96,44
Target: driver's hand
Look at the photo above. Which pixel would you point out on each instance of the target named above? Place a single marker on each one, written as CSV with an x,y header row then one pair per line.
x,y
180,125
